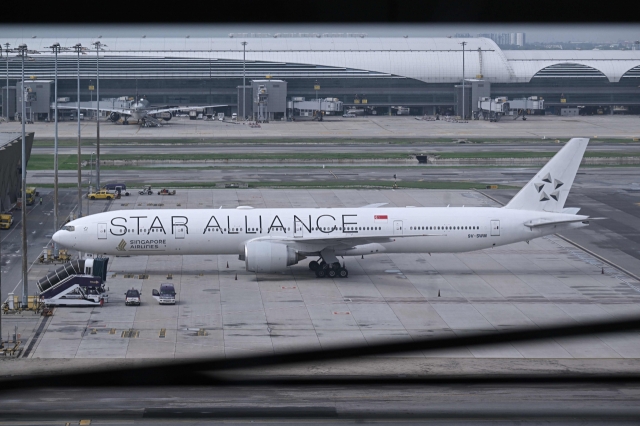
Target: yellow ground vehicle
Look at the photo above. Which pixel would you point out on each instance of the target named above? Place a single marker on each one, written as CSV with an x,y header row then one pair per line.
x,y
5,221
31,195
103,194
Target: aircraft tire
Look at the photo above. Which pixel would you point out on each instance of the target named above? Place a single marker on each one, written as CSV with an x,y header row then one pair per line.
x,y
321,273
314,265
343,273
332,273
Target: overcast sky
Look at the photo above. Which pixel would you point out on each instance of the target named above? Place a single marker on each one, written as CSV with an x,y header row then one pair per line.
x,y
543,33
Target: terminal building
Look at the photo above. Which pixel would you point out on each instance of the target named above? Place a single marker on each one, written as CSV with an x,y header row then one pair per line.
x,y
418,74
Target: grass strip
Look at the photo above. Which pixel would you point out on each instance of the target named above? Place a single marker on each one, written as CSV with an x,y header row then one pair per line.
x,y
69,161
88,141
308,185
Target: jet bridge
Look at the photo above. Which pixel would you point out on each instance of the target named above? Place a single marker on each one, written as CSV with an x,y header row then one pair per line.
x,y
493,109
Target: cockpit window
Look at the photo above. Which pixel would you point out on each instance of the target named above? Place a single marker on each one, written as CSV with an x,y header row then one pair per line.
x,y
69,228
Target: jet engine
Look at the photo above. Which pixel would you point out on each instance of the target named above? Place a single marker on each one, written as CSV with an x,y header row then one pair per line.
x,y
265,256
114,116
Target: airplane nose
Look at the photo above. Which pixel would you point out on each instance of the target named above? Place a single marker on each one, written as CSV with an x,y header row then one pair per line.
x,y
61,237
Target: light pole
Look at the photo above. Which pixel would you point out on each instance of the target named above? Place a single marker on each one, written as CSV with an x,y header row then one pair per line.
x,y
6,49
244,75
56,49
22,52
98,45
90,178
78,48
464,43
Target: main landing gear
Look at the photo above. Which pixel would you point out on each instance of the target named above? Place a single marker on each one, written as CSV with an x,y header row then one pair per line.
x,y
330,270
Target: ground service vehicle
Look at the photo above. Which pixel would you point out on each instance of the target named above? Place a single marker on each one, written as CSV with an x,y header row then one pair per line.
x,y
5,221
166,295
132,297
221,116
146,190
103,194
117,187
165,191
31,195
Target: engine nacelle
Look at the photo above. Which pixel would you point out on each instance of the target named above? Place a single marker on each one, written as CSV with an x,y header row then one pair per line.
x,y
114,116
265,256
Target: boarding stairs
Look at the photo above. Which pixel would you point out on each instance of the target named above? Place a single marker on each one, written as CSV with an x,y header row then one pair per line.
x,y
78,283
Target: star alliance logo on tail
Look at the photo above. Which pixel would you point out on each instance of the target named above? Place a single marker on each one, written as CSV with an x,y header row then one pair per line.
x,y
556,184
121,246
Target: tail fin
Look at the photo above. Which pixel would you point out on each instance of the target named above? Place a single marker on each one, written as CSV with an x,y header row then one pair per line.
x,y
549,189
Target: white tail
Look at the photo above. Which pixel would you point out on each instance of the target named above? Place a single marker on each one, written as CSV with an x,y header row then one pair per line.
x,y
549,189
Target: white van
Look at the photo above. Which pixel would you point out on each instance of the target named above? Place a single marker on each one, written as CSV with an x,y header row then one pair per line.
x,y
166,295
234,116
221,116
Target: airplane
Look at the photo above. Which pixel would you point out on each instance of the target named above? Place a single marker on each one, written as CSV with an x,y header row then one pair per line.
x,y
271,240
139,111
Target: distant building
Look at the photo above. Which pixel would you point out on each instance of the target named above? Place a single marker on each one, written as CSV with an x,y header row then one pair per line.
x,y
506,39
415,72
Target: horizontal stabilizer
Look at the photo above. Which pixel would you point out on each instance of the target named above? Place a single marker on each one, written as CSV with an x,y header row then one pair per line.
x,y
571,210
373,206
541,222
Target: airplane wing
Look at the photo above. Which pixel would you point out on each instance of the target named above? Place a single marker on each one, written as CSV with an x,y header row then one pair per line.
x,y
343,241
181,108
118,110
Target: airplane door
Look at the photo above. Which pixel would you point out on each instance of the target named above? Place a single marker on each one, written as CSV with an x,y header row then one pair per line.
x,y
397,227
102,231
298,231
180,232
495,228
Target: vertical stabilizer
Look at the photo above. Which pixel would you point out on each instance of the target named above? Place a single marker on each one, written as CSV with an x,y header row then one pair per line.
x,y
550,187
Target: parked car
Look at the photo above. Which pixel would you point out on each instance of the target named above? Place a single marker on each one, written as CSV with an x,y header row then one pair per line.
x,y
103,194
117,187
166,295
348,114
132,297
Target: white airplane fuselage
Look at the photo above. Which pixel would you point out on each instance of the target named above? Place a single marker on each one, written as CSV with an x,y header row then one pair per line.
x,y
205,231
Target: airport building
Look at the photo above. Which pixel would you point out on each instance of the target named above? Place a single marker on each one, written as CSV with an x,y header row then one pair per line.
x,y
373,73
10,167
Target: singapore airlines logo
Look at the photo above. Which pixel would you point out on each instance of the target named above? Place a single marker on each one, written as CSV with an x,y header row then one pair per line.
x,y
556,183
121,246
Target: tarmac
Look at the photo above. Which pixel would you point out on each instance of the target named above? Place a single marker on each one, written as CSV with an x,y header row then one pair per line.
x,y
226,311
535,127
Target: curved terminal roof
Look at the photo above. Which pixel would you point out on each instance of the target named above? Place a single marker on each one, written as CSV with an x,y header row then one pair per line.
x,y
431,60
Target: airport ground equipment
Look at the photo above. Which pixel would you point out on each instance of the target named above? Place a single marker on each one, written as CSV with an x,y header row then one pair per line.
x,y
146,190
132,297
32,193
117,188
77,283
314,109
492,109
166,295
6,219
103,194
48,256
165,191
